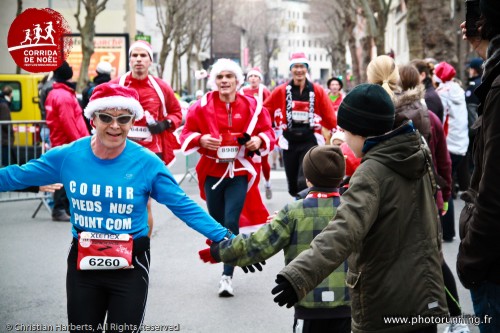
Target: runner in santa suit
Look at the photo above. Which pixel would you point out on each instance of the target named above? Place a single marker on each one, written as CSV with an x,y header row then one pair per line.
x,y
259,91
226,128
162,110
304,112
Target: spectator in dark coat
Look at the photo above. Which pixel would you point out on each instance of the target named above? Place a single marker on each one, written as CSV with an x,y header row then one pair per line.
x,y
431,97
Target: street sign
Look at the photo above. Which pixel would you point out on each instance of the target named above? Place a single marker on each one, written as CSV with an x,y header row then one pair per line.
x,y
112,48
147,38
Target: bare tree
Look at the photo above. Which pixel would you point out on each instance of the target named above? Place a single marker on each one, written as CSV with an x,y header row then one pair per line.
x,y
378,22
250,18
333,20
432,31
87,33
167,12
197,37
260,27
19,11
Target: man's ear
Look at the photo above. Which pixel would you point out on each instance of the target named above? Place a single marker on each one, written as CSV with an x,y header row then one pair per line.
x,y
92,122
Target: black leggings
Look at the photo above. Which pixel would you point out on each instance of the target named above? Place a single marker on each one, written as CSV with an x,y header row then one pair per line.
x,y
337,325
121,294
292,158
450,284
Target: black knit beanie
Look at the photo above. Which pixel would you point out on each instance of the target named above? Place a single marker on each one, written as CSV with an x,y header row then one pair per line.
x,y
490,9
367,111
324,166
63,73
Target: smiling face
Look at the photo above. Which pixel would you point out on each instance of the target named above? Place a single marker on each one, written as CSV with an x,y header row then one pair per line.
x,y
226,84
139,62
111,132
299,72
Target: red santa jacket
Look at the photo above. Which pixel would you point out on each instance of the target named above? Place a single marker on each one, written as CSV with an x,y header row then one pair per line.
x,y
159,100
64,116
210,116
323,108
261,92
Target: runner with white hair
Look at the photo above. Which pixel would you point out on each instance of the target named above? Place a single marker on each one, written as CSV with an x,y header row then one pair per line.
x,y
227,129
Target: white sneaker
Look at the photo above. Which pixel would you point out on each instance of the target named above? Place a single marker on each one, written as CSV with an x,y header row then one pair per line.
x,y
225,286
457,328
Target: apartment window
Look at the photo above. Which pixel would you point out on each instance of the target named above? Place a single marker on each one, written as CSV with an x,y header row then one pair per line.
x,y
139,4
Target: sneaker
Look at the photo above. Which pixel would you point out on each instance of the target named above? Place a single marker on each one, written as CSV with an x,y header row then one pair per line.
x,y
269,193
457,328
225,286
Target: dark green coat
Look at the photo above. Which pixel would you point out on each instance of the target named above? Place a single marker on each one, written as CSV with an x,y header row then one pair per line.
x,y
387,224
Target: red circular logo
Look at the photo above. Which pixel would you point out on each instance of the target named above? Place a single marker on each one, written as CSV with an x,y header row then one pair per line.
x,y
37,41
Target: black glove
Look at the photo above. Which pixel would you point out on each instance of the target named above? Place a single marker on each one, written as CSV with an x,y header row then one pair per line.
x,y
251,268
244,139
160,126
286,294
214,255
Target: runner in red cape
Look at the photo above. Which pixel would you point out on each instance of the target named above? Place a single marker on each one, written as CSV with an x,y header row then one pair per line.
x,y
227,129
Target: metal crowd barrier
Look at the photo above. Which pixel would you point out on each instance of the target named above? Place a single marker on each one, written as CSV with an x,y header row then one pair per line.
x,y
190,167
21,142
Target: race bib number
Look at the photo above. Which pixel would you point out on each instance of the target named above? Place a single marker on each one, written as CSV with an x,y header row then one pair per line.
x,y
300,111
227,152
97,251
229,147
140,133
300,116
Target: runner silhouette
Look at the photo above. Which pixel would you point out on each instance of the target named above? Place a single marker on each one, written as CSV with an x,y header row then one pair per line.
x,y
37,30
27,37
49,29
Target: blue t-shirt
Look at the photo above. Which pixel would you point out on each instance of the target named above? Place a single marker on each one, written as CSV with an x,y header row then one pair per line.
x,y
110,196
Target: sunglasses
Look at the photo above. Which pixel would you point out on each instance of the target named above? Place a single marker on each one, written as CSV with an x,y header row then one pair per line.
x,y
123,119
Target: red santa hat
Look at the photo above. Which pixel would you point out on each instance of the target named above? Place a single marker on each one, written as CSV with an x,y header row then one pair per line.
x,y
143,45
256,71
224,64
299,58
444,71
114,96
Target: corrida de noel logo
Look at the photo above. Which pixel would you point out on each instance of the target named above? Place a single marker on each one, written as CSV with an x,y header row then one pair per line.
x,y
36,40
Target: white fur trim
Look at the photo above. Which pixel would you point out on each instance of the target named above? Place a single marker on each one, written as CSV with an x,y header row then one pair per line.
x,y
299,61
187,142
141,45
114,102
204,100
224,64
256,73
266,139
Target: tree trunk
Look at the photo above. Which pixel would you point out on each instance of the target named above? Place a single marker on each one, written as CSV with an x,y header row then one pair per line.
x,y
414,27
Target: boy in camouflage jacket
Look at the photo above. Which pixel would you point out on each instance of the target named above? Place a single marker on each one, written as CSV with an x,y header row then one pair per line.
x,y
327,307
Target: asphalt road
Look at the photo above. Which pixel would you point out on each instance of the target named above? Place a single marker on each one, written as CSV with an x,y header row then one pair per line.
x,y
183,290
